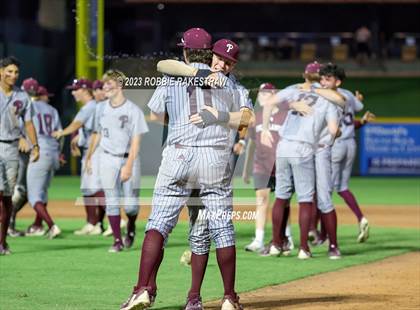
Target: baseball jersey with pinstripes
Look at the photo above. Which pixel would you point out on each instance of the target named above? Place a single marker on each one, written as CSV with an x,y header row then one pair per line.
x,y
180,101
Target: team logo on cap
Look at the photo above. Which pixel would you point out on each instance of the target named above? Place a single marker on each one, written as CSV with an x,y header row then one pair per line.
x,y
229,47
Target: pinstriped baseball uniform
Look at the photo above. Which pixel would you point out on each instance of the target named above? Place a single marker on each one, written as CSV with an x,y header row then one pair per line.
x,y
117,127
13,107
90,183
343,151
295,151
199,233
39,174
195,157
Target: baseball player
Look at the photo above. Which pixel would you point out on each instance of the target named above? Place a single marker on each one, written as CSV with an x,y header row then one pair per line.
x,y
197,153
14,104
343,151
90,183
295,159
19,198
120,125
39,174
263,166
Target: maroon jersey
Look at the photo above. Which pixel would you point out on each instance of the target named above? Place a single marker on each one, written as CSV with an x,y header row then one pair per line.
x,y
265,157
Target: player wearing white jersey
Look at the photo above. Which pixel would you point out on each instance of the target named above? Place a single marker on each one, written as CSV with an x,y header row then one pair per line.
x,y
344,148
90,186
39,174
14,104
198,153
119,126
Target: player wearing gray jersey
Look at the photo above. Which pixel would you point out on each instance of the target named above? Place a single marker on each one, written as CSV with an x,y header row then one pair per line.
x,y
343,151
295,159
14,104
197,153
120,124
20,197
39,174
90,186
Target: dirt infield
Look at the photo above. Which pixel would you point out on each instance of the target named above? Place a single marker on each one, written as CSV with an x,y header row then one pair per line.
x,y
393,283
386,216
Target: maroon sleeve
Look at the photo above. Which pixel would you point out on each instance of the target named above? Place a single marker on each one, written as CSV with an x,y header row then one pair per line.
x,y
358,124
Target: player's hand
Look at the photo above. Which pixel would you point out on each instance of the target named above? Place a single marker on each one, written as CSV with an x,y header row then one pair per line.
x,y
267,138
88,166
57,134
238,148
302,107
368,117
202,120
62,160
246,178
125,174
358,95
24,146
35,153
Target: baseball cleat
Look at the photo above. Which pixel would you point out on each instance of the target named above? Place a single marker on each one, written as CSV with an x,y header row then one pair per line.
x,y
334,253
11,232
85,230
255,246
35,231
96,231
138,300
186,258
194,304
303,254
129,239
271,250
116,247
230,303
363,230
4,249
53,232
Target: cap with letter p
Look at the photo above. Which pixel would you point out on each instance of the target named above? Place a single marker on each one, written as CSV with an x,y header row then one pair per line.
x,y
196,38
226,49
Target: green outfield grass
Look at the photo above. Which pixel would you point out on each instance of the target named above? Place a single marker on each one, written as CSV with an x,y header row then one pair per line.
x,y
381,191
74,272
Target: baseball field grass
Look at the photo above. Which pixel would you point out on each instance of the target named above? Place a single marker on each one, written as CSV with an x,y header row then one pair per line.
x,y
77,272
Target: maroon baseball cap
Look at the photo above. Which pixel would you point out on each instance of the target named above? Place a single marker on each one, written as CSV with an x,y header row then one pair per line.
x,y
30,85
226,49
42,91
267,86
313,67
196,38
98,84
80,83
